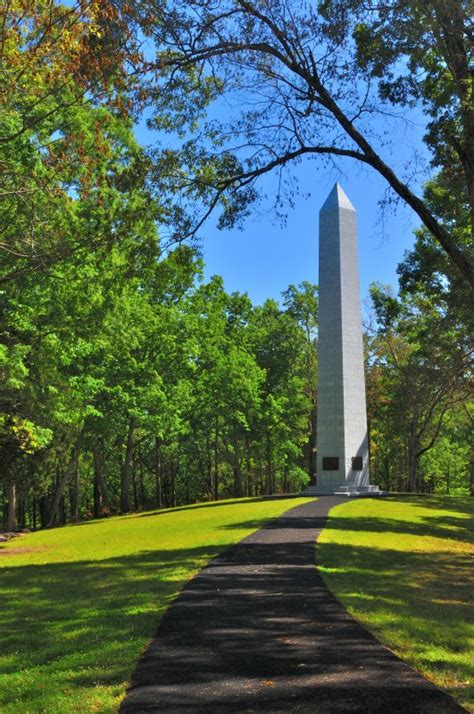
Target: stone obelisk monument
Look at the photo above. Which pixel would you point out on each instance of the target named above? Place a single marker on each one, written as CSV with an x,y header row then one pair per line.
x,y
342,464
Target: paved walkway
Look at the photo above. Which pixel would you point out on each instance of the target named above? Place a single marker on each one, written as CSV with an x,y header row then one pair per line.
x,y
258,631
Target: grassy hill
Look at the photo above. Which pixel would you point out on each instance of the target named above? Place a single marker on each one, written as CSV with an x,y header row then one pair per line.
x,y
404,568
78,604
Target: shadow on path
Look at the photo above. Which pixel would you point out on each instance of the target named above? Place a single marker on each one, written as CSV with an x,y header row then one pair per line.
x,y
258,631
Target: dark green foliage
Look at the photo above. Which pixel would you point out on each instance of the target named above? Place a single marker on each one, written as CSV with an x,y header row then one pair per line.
x,y
420,394
139,387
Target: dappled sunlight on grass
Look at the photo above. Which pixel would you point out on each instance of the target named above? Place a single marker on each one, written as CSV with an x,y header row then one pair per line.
x,y
404,567
75,617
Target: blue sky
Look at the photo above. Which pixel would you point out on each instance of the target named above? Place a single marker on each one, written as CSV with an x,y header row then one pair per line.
x,y
265,257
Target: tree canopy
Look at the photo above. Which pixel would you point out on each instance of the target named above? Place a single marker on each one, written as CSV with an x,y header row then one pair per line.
x,y
309,79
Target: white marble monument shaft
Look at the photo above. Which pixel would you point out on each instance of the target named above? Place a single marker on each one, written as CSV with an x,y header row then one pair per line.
x,y
341,414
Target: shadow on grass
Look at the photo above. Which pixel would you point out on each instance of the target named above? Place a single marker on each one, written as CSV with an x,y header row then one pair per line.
x,y
418,602
195,506
443,525
460,504
81,626
280,524
84,622
453,528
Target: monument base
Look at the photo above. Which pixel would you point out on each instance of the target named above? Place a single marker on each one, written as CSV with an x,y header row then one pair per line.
x,y
343,490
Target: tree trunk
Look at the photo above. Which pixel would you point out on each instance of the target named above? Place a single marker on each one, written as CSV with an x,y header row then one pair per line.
x,y
413,455
159,491
248,468
386,473
135,489
99,475
269,467
412,466
208,468
21,512
238,492
216,461
96,498
62,510
58,496
174,473
12,524
456,53
43,509
127,466
141,484
74,495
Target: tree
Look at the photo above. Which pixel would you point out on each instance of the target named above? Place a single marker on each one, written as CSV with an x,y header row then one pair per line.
x,y
423,52
446,467
52,312
419,375
307,79
302,303
18,438
63,94
283,428
426,270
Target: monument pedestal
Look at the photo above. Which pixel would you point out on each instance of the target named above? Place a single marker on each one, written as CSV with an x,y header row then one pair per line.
x,y
344,490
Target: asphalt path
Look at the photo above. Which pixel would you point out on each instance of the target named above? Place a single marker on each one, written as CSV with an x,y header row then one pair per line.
x,y
257,630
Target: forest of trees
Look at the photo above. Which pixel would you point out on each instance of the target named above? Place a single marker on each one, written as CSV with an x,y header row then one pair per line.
x,y
127,381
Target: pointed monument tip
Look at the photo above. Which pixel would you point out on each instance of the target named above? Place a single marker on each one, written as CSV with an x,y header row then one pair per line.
x,y
337,199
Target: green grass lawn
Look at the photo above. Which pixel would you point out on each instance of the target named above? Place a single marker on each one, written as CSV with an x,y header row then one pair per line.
x,y
78,604
404,568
